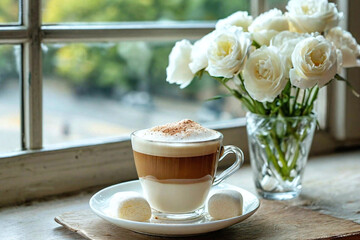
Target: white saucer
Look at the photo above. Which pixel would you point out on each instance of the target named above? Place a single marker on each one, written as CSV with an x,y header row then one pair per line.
x,y
99,204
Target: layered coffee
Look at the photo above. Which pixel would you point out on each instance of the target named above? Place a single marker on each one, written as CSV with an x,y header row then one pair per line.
x,y
176,164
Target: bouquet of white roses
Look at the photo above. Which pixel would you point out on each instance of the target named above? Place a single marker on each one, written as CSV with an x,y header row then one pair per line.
x,y
277,61
274,64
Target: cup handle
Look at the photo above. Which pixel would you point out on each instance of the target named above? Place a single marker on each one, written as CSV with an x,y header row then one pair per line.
x,y
239,161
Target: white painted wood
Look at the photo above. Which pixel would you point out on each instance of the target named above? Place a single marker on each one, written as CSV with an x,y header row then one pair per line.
x,y
337,110
35,174
343,6
125,32
321,107
32,77
13,34
337,97
257,7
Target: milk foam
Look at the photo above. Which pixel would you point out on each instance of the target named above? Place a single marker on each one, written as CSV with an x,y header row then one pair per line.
x,y
185,131
180,139
193,136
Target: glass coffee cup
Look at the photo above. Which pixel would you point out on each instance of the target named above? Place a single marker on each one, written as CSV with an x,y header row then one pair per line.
x,y
176,176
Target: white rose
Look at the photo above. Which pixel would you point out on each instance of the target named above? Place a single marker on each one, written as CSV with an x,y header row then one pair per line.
x,y
178,70
347,44
264,74
267,25
270,20
237,19
286,42
312,15
315,61
199,58
227,52
264,37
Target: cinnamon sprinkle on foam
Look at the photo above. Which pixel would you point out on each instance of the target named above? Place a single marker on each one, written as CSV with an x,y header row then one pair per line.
x,y
185,130
186,127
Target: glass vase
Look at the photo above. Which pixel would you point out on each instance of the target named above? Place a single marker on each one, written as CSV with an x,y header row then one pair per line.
x,y
279,148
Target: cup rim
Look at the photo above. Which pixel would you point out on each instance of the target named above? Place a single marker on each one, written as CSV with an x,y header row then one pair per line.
x,y
217,138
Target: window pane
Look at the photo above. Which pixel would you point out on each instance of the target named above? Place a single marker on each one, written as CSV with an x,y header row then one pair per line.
x,y
9,11
102,90
138,10
9,98
280,4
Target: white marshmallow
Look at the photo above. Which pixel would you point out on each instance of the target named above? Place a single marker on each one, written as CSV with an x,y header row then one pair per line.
x,y
130,206
225,204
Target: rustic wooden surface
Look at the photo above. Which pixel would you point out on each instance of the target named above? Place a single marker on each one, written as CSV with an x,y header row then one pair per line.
x,y
331,186
274,220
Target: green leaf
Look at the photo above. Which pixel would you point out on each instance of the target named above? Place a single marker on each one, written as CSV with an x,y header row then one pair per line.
x,y
217,97
256,44
329,82
340,78
237,94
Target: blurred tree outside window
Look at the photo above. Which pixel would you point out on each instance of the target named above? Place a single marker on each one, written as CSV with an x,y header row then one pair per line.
x,y
9,98
65,11
111,89
9,12
107,89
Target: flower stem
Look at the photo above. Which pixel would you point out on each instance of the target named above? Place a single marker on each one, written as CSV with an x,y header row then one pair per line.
x,y
258,105
303,101
248,104
297,150
307,98
309,106
274,160
252,106
296,156
280,153
295,100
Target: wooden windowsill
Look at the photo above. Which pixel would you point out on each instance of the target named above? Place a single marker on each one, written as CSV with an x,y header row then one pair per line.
x,y
331,186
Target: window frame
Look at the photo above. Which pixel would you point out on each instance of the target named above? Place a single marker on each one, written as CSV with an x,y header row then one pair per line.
x,y
34,171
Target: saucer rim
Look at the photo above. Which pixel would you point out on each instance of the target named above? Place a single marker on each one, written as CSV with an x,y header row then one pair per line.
x,y
180,225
